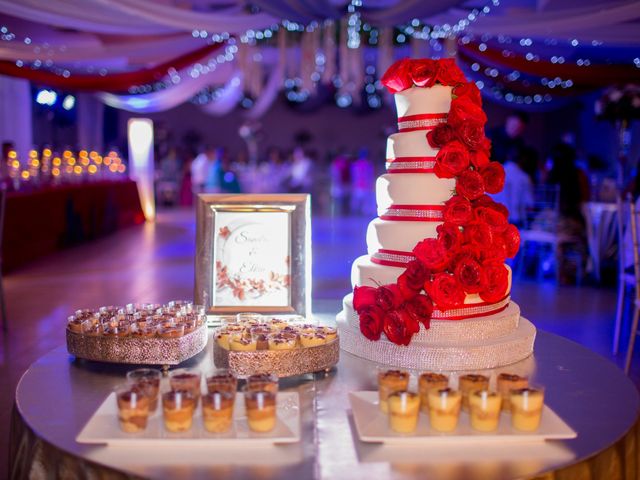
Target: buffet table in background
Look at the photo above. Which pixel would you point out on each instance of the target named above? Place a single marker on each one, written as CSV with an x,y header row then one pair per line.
x,y
590,393
43,221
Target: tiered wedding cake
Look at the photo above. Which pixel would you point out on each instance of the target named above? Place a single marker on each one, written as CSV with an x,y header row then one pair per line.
x,y
434,291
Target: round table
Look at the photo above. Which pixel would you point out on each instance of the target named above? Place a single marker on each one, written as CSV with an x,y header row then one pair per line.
x,y
57,395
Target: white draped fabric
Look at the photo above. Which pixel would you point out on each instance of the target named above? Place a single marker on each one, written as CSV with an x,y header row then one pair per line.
x,y
229,97
15,119
90,121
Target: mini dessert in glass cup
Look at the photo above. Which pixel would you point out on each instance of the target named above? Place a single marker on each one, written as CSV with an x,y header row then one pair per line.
x,y
390,381
222,380
526,408
263,381
261,409
404,408
217,410
133,408
429,381
508,382
186,379
470,382
484,408
178,407
282,341
313,339
444,409
148,381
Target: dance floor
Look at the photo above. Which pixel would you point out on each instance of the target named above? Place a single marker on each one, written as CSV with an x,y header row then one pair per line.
x,y
154,263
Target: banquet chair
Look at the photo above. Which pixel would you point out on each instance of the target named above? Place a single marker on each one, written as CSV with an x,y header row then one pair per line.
x,y
541,229
634,214
624,279
3,306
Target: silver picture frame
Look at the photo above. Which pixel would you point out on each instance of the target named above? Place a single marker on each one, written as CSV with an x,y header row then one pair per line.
x,y
211,209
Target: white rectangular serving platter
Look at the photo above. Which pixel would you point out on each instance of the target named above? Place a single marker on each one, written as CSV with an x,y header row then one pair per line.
x,y
103,427
373,426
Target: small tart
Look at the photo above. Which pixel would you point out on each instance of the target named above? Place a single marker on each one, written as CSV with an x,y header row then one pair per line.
x,y
312,339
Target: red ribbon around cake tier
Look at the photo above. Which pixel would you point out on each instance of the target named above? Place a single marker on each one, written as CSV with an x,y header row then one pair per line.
x,y
472,311
392,258
423,121
414,213
411,164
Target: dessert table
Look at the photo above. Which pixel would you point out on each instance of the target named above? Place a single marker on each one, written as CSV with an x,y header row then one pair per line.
x,y
58,394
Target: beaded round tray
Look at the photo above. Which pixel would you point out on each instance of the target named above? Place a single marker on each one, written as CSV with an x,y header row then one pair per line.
x,y
137,350
284,363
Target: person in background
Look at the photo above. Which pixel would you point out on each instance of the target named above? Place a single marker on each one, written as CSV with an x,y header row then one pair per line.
x,y
362,181
228,177
508,138
573,183
186,188
200,168
300,178
214,178
517,194
340,184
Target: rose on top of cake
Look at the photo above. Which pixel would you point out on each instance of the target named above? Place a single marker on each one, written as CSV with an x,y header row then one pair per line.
x,y
475,239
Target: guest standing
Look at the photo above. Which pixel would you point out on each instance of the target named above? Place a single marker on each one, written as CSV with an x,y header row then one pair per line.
x,y
340,184
517,194
200,168
508,139
300,180
362,181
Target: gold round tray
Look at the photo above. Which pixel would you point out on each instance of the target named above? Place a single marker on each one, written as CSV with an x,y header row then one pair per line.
x,y
284,363
137,350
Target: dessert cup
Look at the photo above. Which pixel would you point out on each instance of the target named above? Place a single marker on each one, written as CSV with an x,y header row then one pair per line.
x,y
430,381
186,379
314,339
148,381
469,383
444,409
261,410
171,331
484,407
331,333
133,409
222,380
404,408
390,381
75,323
240,343
266,382
249,318
177,408
282,341
526,408
508,382
217,411
222,338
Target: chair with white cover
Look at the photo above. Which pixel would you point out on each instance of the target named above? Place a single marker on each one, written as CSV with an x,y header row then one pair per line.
x,y
634,214
625,279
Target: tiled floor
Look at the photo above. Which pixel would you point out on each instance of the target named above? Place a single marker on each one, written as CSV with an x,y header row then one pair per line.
x,y
154,263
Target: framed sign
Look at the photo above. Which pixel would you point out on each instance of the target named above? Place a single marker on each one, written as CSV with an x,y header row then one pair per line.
x,y
253,253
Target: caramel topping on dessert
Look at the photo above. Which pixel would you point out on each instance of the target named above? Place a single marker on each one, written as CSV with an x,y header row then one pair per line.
x,y
508,377
474,378
434,377
395,374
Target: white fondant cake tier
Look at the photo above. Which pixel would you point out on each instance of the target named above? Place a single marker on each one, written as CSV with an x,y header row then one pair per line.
x,y
366,273
449,332
465,355
396,235
409,144
412,189
418,100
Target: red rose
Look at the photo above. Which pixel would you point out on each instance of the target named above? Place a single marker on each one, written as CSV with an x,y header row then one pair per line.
x,y
478,234
398,77
497,251
450,236
469,275
441,135
469,250
463,110
511,237
486,146
399,326
479,159
371,322
420,309
496,281
363,297
457,210
451,160
471,134
423,72
449,73
496,219
469,90
445,291
469,184
493,177
487,201
433,254
389,296
416,274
